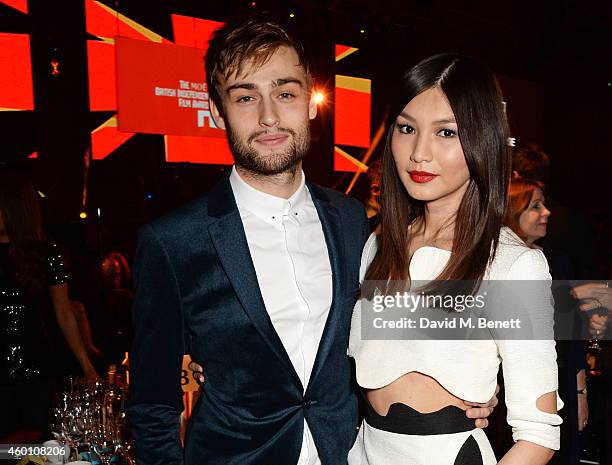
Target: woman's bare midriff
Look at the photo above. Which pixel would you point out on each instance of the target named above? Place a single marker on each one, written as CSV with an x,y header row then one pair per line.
x,y
419,391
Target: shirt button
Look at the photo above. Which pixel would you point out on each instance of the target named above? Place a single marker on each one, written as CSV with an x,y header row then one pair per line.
x,y
307,404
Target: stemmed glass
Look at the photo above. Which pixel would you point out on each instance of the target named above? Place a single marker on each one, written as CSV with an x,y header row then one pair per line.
x,y
74,431
123,438
56,426
92,415
105,444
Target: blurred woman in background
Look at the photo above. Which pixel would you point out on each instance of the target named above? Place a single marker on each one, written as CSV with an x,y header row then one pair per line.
x,y
527,214
33,278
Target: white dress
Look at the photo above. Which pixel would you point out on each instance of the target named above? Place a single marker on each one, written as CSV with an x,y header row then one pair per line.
x,y
466,368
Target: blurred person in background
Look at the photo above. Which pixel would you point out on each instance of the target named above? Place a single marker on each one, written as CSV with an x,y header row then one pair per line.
x,y
569,231
110,307
115,272
570,245
596,301
33,283
528,217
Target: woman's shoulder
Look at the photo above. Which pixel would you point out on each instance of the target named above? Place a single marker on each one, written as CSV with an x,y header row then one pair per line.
x,y
369,249
516,260
368,254
371,242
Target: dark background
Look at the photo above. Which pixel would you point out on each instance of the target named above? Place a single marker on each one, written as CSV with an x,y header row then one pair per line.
x,y
553,58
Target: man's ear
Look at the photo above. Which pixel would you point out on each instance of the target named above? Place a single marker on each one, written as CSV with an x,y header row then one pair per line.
x,y
216,115
312,105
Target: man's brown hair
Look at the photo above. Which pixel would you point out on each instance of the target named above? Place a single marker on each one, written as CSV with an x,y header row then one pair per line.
x,y
246,41
531,162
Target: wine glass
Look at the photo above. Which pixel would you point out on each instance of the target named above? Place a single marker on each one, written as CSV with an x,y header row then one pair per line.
x,y
105,444
74,431
601,314
56,426
124,439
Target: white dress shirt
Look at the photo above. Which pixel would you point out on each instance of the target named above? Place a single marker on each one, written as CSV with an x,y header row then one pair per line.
x,y
291,260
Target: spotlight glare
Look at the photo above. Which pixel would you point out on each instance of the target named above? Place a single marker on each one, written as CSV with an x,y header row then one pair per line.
x,y
292,15
319,97
82,215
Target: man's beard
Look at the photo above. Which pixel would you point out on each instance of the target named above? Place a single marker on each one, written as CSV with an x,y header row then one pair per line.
x,y
271,163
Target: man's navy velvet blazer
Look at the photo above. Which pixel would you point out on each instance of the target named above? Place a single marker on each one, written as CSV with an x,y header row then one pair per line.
x,y
197,293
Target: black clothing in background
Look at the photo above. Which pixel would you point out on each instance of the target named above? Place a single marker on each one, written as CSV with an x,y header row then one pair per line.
x,y
571,234
26,352
111,325
571,357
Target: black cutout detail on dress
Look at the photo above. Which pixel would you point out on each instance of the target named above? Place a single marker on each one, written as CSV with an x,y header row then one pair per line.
x,y
403,419
469,454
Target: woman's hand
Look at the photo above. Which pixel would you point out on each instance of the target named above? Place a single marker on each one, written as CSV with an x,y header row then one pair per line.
x,y
90,373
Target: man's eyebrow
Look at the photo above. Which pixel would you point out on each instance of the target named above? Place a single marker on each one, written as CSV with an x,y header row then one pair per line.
x,y
241,85
275,83
287,80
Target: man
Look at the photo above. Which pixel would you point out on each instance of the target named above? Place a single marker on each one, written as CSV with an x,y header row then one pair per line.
x,y
255,280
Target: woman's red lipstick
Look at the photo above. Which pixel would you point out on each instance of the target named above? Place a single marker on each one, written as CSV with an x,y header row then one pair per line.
x,y
421,176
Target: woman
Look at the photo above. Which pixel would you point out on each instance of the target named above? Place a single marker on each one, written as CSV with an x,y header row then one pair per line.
x,y
111,306
445,176
527,215
32,272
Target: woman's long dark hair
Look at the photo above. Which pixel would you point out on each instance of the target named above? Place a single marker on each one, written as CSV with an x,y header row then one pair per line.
x,y
22,220
476,100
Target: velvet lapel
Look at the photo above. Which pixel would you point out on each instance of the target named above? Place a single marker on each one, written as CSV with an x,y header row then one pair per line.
x,y
229,239
332,230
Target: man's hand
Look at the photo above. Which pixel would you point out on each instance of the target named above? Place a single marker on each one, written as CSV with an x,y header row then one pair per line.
x,y
598,324
593,295
198,372
481,411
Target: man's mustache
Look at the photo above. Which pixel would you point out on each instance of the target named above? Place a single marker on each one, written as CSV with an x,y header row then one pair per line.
x,y
255,135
